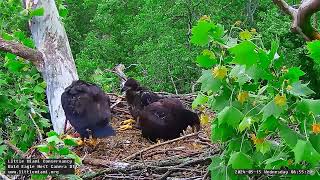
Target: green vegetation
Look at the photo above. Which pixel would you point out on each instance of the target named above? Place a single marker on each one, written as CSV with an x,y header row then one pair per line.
x,y
250,66
257,100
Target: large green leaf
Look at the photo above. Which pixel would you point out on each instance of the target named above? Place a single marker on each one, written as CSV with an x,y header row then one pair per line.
x,y
208,82
217,168
204,31
268,125
294,74
207,59
315,141
37,12
263,147
271,109
304,151
245,53
289,136
240,160
314,51
245,123
239,72
221,132
200,100
300,90
309,105
231,116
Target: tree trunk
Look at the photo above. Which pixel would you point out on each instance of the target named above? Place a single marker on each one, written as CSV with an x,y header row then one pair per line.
x,y
58,65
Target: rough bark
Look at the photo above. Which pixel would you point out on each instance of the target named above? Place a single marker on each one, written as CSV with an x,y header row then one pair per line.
x,y
25,52
301,17
58,65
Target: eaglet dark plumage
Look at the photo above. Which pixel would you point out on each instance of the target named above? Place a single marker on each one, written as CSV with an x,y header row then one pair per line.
x,y
87,108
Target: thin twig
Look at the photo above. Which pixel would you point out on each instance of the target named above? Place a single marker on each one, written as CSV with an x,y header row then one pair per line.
x,y
160,144
37,127
13,147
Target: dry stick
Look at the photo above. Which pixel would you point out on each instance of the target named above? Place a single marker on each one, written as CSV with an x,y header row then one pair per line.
x,y
115,104
171,170
37,127
139,166
13,147
160,144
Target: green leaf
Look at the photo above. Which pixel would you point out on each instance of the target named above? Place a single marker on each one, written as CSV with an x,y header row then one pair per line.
x,y
2,149
314,52
55,139
217,168
63,11
274,49
38,89
309,106
64,151
14,65
70,142
43,148
37,12
217,103
204,31
245,123
289,136
303,151
277,161
221,132
239,160
271,109
7,36
239,72
263,147
52,133
294,74
244,53
207,59
75,157
200,100
300,90
208,82
231,116
245,35
315,141
270,124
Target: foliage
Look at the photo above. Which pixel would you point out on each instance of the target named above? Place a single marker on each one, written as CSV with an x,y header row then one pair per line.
x,y
22,90
258,102
57,147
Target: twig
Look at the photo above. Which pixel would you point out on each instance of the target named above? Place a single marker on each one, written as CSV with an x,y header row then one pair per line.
x,y
115,104
174,85
13,147
206,175
37,127
171,170
160,144
137,167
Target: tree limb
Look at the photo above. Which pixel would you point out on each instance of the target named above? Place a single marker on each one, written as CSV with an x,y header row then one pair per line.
x,y
301,17
22,51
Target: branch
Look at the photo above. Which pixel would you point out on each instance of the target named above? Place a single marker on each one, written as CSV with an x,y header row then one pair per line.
x,y
301,17
160,144
22,51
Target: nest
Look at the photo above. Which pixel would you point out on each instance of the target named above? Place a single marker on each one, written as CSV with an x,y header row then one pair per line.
x,y
130,156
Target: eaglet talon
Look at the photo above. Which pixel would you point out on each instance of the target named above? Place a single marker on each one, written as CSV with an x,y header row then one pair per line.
x,y
125,127
129,121
93,142
80,142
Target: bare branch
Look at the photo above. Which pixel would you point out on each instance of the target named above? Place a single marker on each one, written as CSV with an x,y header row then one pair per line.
x,y
22,51
301,17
